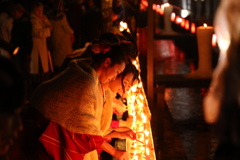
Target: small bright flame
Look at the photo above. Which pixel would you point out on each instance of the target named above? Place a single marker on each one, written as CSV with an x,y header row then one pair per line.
x,y
187,25
154,7
134,62
205,25
15,51
214,40
184,13
165,5
159,9
178,20
123,26
173,16
183,23
193,28
147,151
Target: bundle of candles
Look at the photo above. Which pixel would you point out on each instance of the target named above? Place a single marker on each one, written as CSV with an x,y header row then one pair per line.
x,y
142,148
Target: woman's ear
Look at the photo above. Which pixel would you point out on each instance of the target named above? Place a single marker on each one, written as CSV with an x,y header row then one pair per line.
x,y
107,62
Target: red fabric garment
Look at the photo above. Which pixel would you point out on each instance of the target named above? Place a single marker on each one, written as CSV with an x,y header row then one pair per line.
x,y
62,144
114,124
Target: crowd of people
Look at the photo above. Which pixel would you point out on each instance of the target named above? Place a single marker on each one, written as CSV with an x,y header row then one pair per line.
x,y
48,31
65,85
59,94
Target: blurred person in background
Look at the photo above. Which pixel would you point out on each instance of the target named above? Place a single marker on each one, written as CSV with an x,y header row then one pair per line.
x,y
41,62
12,97
6,22
61,36
21,36
222,103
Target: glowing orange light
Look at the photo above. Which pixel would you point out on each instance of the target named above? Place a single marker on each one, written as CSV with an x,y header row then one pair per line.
x,y
183,23
193,28
187,25
214,40
173,16
178,20
159,9
142,147
154,7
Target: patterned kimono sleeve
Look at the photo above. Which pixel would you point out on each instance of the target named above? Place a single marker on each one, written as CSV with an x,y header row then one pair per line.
x,y
62,144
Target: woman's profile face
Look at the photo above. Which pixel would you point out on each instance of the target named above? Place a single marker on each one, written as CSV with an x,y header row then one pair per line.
x,y
10,125
110,72
117,85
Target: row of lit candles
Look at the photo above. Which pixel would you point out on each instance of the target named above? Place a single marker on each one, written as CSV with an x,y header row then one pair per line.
x,y
182,21
142,148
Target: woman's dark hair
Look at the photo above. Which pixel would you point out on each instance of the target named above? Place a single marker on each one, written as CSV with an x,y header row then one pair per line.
x,y
12,86
109,38
116,54
130,49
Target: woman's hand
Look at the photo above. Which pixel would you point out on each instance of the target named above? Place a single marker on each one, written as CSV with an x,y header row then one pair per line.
x,y
128,134
121,155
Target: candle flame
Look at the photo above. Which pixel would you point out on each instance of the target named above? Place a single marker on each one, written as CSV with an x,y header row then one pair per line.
x,y
187,25
178,20
173,15
193,28
166,5
205,25
183,22
214,40
123,26
139,114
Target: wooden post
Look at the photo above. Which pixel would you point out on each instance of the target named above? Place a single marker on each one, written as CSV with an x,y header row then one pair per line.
x,y
106,12
150,46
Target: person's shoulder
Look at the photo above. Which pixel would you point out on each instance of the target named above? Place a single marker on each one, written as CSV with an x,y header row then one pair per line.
x,y
82,64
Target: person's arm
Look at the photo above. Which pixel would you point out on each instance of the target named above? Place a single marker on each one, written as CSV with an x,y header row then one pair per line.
x,y
126,134
127,123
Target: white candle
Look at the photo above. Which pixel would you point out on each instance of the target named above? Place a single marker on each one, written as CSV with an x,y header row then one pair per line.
x,y
167,17
204,41
204,38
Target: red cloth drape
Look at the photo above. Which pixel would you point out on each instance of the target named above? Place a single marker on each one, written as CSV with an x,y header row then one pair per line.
x,y
62,144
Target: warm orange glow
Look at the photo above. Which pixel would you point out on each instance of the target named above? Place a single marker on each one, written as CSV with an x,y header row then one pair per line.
x,y
123,26
183,22
160,10
187,25
142,148
173,16
143,5
15,52
154,7
166,5
205,25
193,28
178,20
214,40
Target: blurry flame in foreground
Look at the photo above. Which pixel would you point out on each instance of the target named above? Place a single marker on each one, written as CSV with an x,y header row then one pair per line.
x,y
124,26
